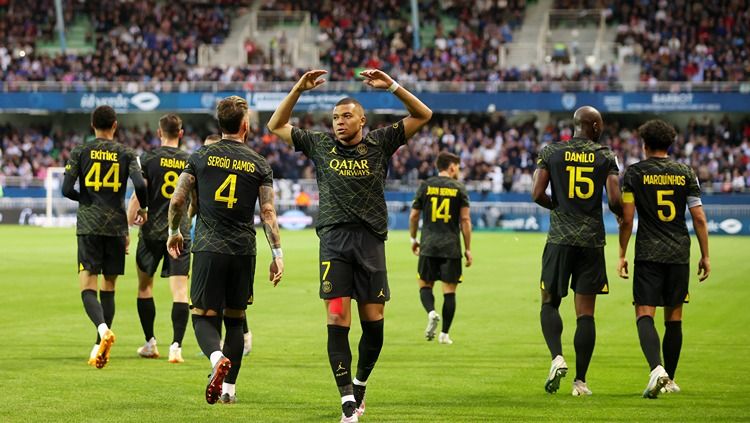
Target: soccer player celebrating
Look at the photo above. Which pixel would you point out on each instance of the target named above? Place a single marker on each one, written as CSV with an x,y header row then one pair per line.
x,y
660,189
228,178
101,168
353,222
577,170
161,168
443,204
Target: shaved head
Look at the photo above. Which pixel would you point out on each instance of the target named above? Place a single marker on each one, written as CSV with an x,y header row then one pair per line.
x,y
588,123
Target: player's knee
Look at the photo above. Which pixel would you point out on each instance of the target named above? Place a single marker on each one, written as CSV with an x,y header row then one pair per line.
x,y
550,300
336,312
233,313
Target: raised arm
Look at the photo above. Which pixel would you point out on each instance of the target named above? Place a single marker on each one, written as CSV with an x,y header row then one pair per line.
x,y
538,191
466,232
279,122
271,229
419,113
177,206
701,231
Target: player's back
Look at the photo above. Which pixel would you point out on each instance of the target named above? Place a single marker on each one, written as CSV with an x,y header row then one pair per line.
x,y
228,177
161,168
661,189
441,198
103,167
578,171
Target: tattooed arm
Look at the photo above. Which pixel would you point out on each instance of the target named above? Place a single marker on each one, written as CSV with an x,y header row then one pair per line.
x,y
177,206
271,228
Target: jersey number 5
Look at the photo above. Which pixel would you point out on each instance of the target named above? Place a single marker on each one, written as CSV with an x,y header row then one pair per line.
x,y
441,211
229,185
111,179
170,180
576,178
661,201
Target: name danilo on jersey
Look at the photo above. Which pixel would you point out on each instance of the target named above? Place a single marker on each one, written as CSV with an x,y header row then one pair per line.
x,y
108,156
571,156
234,164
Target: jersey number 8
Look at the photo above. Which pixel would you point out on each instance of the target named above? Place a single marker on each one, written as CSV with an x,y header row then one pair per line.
x,y
170,180
229,184
110,180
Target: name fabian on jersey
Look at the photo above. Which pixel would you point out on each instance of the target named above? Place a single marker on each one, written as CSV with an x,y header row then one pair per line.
x,y
234,164
350,167
172,163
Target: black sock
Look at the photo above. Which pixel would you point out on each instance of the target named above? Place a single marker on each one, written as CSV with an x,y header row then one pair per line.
x,y
649,340
671,345
206,334
92,307
180,312
584,341
233,344
552,327
147,314
428,300
245,327
449,310
340,357
370,345
107,298
220,322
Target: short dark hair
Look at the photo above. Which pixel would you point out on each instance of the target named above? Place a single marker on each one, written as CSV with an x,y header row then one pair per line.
x,y
350,100
212,139
657,134
170,125
445,159
230,112
103,117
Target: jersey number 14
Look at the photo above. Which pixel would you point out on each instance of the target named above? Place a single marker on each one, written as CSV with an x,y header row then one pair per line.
x,y
441,211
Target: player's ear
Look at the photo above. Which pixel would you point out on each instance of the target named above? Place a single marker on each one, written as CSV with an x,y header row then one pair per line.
x,y
114,126
158,133
182,132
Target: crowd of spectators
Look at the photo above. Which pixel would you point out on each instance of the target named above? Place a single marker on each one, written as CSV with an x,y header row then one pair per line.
x,y
493,150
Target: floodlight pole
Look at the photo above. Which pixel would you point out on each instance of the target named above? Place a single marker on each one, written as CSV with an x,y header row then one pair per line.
x,y
414,23
60,24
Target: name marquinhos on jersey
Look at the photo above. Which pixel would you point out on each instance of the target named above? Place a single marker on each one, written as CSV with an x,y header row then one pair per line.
x,y
350,167
572,156
110,156
234,164
172,163
442,191
664,180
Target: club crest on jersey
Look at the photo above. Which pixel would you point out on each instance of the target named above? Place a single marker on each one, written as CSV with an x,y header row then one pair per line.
x,y
362,149
327,287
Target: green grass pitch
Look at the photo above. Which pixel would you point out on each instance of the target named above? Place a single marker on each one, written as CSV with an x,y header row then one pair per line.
x,y
495,371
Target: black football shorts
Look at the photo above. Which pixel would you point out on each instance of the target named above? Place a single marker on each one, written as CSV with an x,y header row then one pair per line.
x,y
660,284
431,269
352,264
101,254
151,252
221,280
583,267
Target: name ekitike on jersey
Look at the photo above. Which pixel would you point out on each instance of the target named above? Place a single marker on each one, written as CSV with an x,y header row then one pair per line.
x,y
350,167
110,156
571,156
172,163
234,164
442,191
664,180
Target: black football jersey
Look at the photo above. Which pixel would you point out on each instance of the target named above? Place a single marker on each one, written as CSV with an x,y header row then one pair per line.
x,y
440,200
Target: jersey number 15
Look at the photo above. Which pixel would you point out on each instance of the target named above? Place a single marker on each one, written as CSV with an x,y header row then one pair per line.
x,y
577,179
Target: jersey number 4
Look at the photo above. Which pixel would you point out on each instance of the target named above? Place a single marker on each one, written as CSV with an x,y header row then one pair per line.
x,y
441,211
110,180
229,185
577,179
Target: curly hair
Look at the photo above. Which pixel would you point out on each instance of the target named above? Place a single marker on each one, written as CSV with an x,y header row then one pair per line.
x,y
657,134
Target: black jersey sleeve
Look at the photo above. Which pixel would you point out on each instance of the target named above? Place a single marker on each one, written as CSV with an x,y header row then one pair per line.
x,y
419,197
304,140
136,175
392,137
71,175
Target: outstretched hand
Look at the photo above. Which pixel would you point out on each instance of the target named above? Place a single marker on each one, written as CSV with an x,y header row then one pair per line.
x,y
310,80
376,78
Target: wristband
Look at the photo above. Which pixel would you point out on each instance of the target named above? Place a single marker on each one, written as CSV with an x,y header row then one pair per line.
x,y
277,253
173,232
393,87
414,241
